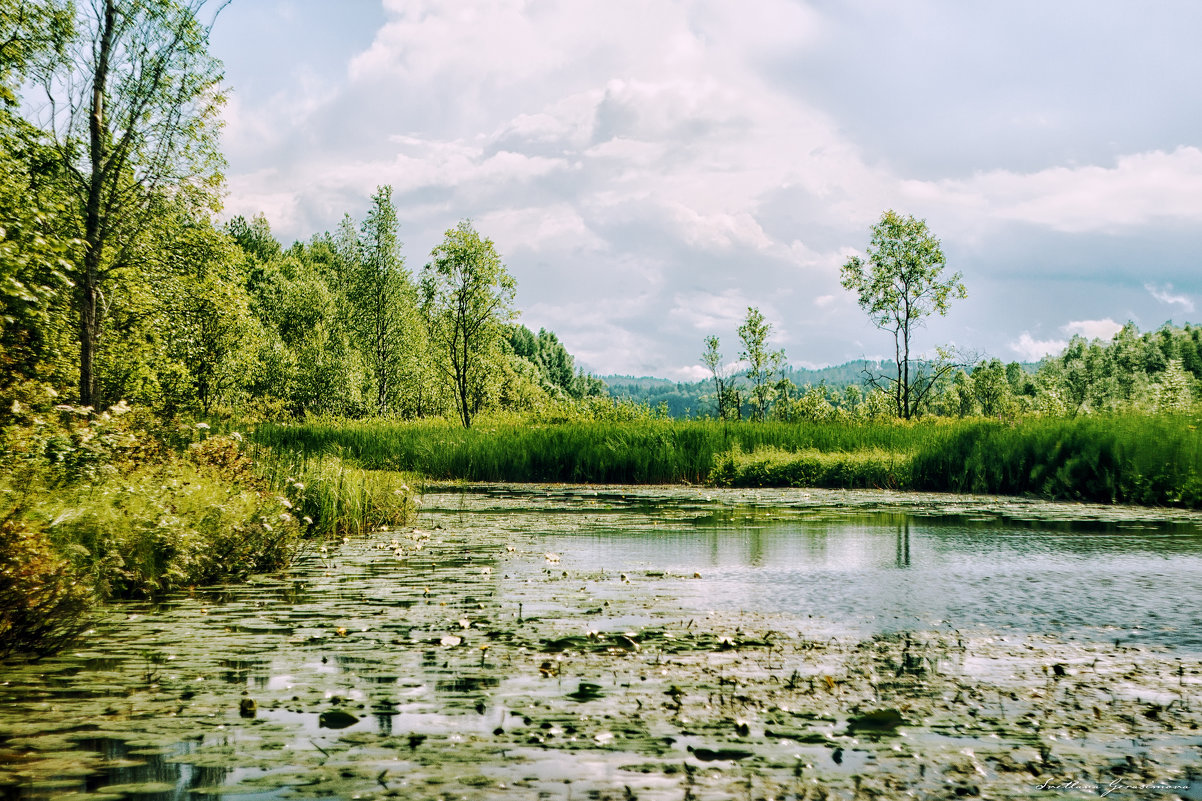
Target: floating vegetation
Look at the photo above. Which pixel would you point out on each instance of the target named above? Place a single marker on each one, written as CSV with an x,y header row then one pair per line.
x,y
659,686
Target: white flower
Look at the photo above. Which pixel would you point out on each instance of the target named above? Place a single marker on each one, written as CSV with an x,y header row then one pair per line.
x,y
202,426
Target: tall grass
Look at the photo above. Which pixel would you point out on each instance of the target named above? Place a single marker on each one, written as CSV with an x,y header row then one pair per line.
x,y
334,498
1139,459
638,452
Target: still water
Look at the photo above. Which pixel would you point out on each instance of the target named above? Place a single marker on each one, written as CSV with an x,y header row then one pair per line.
x,y
407,663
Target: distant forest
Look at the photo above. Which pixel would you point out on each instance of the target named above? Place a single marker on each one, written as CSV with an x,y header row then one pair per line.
x,y
696,398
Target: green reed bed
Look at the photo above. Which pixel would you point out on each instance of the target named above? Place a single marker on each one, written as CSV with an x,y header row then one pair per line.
x,y
334,498
639,452
1139,459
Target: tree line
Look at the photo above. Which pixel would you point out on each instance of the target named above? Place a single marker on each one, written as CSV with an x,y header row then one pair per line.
x,y
117,283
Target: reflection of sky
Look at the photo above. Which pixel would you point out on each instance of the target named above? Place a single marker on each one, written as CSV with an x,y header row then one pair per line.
x,y
897,574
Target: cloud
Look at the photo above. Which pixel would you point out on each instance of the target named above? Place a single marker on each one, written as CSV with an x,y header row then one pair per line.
x,y
1093,329
1030,349
1165,295
647,183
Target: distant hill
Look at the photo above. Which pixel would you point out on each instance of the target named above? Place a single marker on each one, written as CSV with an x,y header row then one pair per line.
x,y
694,398
690,399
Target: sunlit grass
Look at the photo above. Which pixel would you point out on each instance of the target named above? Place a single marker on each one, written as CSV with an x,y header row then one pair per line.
x,y
1140,459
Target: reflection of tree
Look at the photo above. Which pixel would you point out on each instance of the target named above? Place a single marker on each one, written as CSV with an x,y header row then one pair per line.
x,y
903,543
755,548
170,767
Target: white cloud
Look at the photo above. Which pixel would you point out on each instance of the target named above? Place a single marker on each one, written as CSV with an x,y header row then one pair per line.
x,y
648,182
687,373
1140,189
1093,329
708,312
1165,295
1030,349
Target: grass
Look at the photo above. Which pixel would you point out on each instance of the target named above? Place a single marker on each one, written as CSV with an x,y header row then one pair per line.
x,y
638,452
1133,458
115,505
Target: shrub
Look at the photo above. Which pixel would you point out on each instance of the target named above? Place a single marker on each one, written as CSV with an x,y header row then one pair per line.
x,y
43,602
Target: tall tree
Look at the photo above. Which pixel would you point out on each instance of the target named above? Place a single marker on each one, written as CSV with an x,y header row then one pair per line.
x,y
762,364
133,113
468,298
899,284
711,357
381,296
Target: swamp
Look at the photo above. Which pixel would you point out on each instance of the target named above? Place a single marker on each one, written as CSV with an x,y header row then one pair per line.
x,y
576,642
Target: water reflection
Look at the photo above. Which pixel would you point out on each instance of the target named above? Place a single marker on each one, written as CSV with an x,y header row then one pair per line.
x,y
888,571
401,642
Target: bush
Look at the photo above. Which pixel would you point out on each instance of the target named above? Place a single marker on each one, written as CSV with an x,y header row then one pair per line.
x,y
43,601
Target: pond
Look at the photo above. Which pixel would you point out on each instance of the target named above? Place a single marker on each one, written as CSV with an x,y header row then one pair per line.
x,y
655,643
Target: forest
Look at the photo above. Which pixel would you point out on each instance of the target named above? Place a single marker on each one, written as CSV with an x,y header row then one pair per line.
x,y
184,398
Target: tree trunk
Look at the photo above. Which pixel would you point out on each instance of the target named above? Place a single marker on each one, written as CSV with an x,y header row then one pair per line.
x,y
89,282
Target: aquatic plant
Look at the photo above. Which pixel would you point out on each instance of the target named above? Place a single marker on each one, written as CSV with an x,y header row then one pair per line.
x,y
1132,458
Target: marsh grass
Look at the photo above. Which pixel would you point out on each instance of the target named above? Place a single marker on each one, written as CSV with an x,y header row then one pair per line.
x,y
334,498
773,467
1133,458
636,452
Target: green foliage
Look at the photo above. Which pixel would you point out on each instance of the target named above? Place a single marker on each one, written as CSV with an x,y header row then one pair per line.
x,y
763,365
382,301
134,113
773,467
899,284
43,600
614,449
467,298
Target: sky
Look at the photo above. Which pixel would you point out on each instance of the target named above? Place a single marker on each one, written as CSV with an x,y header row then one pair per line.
x,y
649,169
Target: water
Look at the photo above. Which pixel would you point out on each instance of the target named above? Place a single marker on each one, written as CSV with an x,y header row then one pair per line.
x,y
443,661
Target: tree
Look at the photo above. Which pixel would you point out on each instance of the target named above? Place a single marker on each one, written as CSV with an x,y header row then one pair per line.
x,y
133,113
711,357
32,33
899,284
468,298
381,296
762,364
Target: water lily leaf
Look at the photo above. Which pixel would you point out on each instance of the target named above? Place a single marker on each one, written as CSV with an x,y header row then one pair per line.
x,y
587,691
336,719
878,720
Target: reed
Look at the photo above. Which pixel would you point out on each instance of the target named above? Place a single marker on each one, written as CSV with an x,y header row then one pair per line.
x,y
1134,458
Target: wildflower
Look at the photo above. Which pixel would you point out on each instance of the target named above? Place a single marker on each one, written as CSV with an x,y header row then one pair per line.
x,y
236,437
16,407
285,517
284,502
202,426
267,527
308,520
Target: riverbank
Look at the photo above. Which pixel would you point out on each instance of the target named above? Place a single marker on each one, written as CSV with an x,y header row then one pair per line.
x,y
1153,460
489,654
119,505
